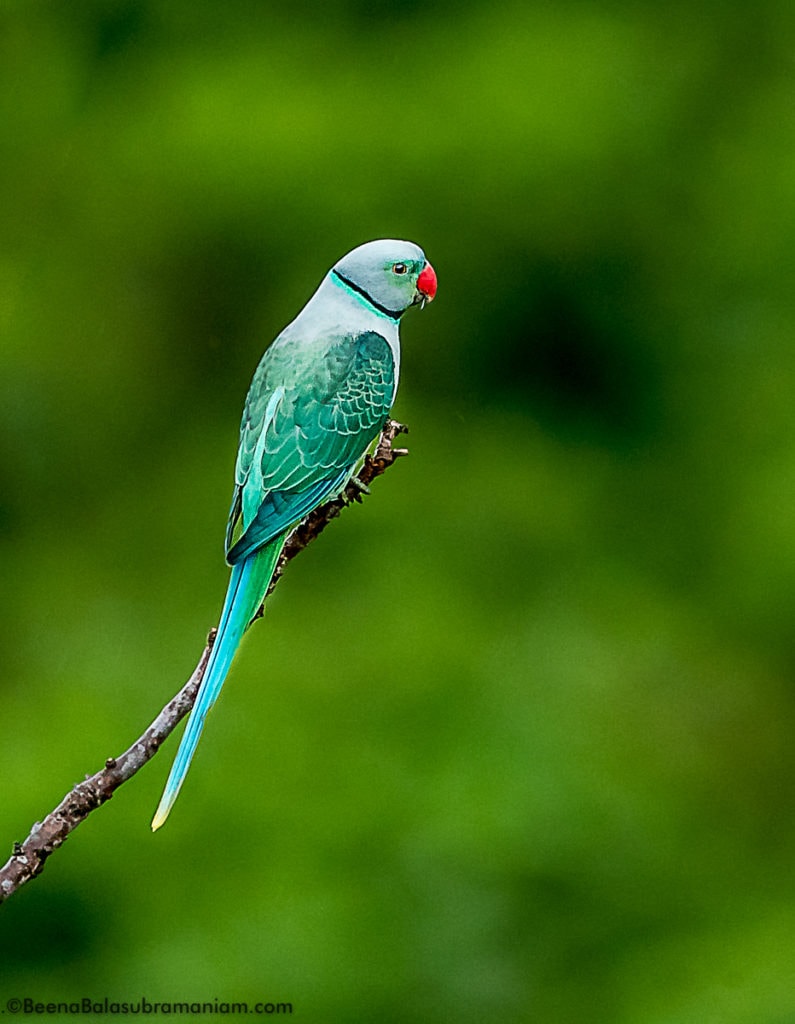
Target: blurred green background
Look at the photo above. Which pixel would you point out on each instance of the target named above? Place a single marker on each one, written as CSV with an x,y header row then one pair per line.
x,y
515,741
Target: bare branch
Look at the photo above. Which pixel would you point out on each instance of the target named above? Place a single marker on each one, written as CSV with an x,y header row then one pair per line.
x,y
28,858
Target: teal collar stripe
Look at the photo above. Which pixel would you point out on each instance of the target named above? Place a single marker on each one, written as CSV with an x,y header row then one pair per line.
x,y
360,291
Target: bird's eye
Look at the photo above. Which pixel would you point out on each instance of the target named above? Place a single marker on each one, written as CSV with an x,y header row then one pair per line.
x,y
399,268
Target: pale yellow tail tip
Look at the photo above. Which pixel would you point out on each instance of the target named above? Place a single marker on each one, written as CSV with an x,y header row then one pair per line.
x,y
160,816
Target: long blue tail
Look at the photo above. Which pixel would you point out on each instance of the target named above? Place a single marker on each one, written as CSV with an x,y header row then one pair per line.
x,y
247,586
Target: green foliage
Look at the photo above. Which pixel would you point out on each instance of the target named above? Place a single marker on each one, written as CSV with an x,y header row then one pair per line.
x,y
515,739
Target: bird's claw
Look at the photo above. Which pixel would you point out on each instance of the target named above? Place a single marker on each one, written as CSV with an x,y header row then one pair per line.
x,y
357,488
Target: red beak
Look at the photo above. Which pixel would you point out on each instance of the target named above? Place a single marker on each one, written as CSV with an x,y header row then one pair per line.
x,y
426,282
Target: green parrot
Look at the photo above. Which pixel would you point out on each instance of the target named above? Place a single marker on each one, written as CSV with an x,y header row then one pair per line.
x,y
319,397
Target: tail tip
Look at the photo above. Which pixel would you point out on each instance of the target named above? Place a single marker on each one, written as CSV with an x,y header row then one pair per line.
x,y
161,814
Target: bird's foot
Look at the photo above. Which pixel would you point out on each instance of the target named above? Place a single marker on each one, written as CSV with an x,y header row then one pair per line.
x,y
355,490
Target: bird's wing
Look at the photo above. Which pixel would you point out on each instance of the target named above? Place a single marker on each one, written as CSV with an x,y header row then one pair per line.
x,y
309,418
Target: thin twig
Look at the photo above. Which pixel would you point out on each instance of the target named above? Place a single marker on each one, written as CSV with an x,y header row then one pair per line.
x,y
28,858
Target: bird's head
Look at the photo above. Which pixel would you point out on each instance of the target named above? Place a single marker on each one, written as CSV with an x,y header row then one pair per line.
x,y
390,274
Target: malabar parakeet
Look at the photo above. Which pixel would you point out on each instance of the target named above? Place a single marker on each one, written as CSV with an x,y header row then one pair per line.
x,y
319,397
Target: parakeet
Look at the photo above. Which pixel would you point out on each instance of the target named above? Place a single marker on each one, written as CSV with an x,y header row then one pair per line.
x,y
319,397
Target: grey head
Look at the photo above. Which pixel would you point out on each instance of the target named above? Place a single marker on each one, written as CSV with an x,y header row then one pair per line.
x,y
390,274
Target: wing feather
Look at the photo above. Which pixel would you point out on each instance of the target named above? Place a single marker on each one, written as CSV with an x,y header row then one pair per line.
x,y
309,417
